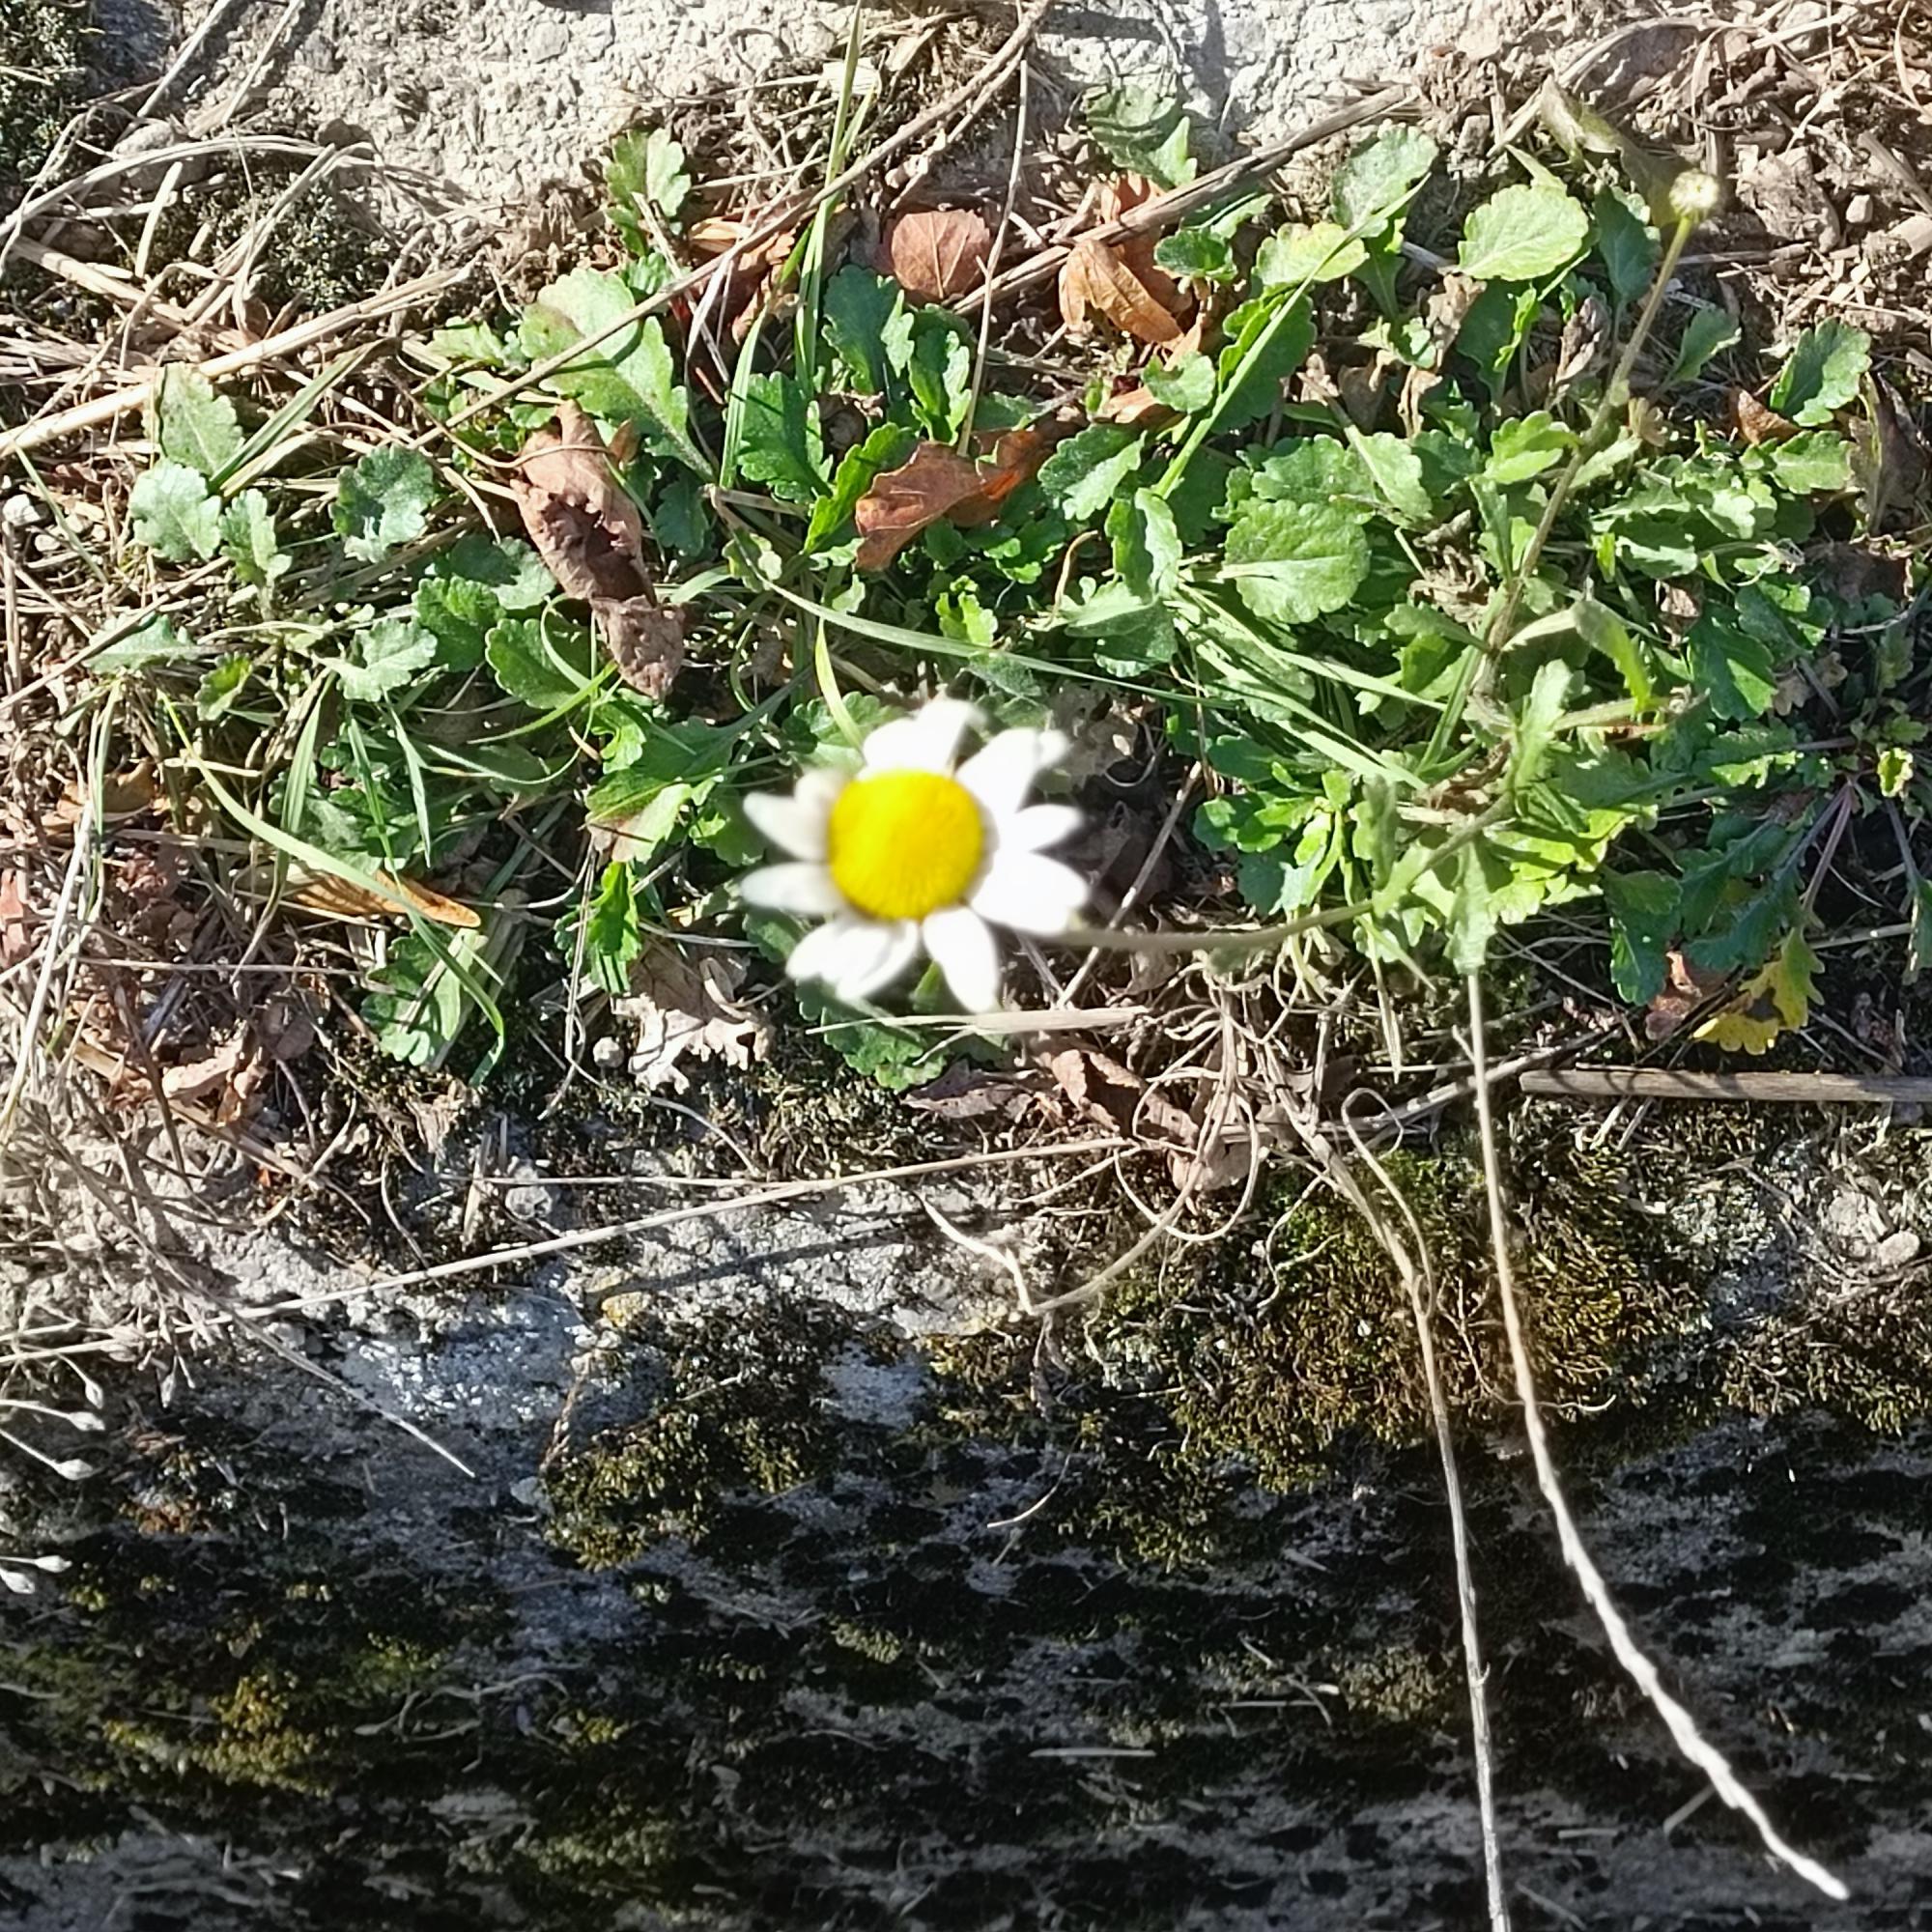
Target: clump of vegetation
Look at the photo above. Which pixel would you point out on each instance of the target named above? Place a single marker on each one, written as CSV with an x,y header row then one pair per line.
x,y
43,45
742,1408
1461,601
1277,1347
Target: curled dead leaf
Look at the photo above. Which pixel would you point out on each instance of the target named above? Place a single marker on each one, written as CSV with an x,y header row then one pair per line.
x,y
646,639
1113,1095
582,522
938,255
1097,276
683,1004
1686,990
324,893
590,533
1756,423
935,482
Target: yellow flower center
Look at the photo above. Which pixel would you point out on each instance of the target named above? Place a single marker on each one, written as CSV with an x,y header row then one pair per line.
x,y
901,844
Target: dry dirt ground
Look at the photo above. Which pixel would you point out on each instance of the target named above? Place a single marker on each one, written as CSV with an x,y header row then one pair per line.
x,y
497,97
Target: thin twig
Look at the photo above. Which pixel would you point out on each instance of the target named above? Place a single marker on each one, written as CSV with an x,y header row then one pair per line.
x,y
1418,1285
670,1217
1759,1089
1679,1721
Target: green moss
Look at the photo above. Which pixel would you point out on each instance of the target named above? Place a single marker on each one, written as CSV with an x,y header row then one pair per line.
x,y
1274,1351
43,45
1401,1685
740,1407
1867,1356
322,251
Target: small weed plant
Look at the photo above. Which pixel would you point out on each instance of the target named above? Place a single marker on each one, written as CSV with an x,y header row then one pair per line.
x,y
1428,542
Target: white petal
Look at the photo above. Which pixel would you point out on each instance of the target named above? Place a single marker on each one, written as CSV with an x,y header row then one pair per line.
x,y
798,887
961,945
1028,892
929,741
797,824
1001,774
854,956
1036,827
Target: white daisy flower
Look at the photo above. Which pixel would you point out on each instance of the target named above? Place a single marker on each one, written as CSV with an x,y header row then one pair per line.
x,y
919,853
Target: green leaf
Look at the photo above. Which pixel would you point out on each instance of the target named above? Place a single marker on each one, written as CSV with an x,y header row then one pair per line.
x,y
1294,562
1268,348
1736,670
678,517
858,309
424,995
457,611
1311,470
1525,447
393,650
383,500
507,565
1378,176
1186,385
1919,954
1132,632
1147,545
1498,323
1195,255
629,376
223,686
886,448
1643,916
1142,130
1709,332
470,342
1473,912
1086,472
1396,471
191,423
251,542
174,512
1811,463
1604,631
154,640
1536,723
939,369
1628,247
1822,373
1319,251
612,937
779,444
543,664
645,170
1523,234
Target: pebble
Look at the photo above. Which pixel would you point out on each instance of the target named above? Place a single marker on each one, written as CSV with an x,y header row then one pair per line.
x,y
1898,1250
19,512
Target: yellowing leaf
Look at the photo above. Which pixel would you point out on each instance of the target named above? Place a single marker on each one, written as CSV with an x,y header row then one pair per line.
x,y
1775,998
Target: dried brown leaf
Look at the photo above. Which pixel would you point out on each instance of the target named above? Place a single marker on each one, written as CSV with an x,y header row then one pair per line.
x,y
938,255
684,1006
1684,991
645,641
935,482
901,502
339,897
1756,423
16,940
1097,276
582,522
1138,407
1114,1095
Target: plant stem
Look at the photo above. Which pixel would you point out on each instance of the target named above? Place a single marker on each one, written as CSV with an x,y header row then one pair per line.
x,y
1615,395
